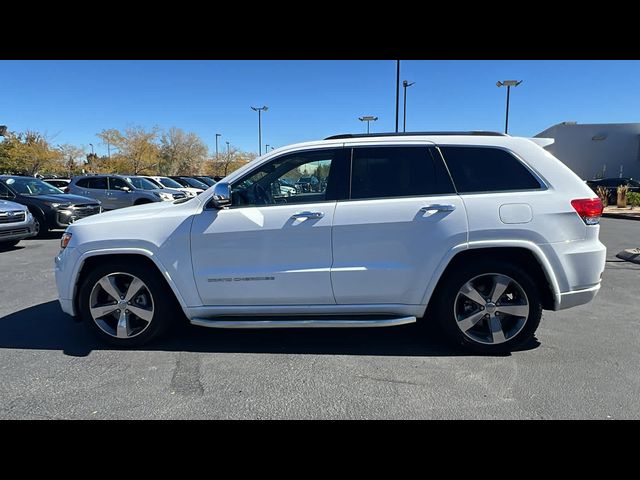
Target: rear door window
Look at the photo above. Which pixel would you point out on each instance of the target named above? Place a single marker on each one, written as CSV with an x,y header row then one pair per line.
x,y
98,183
387,172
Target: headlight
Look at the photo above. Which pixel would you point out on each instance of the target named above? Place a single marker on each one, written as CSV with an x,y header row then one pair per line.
x,y
163,195
64,241
60,205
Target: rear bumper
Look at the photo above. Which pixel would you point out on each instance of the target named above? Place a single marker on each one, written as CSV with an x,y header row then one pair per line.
x,y
577,297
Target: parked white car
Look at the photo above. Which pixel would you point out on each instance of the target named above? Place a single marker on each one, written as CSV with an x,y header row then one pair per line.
x,y
166,182
476,231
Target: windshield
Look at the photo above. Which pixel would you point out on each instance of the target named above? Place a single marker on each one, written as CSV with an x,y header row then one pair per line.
x,y
32,186
206,180
195,183
169,182
143,183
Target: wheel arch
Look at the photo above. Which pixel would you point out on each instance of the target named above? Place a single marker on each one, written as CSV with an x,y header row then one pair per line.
x,y
523,254
90,259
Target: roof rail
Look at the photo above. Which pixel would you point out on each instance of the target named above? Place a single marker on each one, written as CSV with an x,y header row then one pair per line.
x,y
401,134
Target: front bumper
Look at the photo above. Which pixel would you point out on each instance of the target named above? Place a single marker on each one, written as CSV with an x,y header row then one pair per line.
x,y
64,263
18,230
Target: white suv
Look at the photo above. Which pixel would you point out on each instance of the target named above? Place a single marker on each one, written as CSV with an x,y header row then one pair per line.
x,y
477,231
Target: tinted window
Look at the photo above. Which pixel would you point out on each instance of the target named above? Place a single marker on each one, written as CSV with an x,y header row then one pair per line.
x,y
83,183
380,172
612,182
117,184
141,183
482,169
98,183
281,180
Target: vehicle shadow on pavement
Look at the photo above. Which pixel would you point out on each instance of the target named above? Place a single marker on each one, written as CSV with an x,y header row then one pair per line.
x,y
46,327
10,248
47,236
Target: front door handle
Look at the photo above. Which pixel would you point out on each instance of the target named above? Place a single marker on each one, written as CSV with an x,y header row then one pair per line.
x,y
307,215
439,207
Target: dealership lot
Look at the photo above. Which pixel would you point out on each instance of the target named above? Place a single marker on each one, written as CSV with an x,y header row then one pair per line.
x,y
584,366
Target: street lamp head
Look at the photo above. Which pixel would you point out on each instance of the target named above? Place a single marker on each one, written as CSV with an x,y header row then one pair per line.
x,y
368,118
218,134
263,108
406,84
509,83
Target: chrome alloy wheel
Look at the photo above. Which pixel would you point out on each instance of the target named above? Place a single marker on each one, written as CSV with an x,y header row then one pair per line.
x,y
491,308
121,305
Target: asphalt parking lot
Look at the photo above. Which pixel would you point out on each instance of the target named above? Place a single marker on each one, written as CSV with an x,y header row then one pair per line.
x,y
584,364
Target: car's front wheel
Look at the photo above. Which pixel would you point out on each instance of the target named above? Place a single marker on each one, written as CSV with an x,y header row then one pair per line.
x,y
488,306
126,304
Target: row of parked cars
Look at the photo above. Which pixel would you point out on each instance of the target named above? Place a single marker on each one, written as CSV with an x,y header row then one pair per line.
x,y
31,206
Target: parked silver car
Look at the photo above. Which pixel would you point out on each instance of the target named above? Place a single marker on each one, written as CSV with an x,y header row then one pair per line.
x,y
118,191
16,223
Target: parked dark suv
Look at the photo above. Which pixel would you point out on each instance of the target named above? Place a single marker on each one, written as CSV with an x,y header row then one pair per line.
x,y
51,209
308,184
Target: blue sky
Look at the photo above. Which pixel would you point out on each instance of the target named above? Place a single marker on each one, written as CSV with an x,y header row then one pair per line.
x,y
73,100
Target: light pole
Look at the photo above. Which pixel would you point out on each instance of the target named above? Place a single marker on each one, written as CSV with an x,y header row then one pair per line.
x,y
266,148
260,110
508,84
217,135
91,149
397,91
405,84
368,118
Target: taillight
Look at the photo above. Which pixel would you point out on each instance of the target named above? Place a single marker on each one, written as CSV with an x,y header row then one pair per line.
x,y
589,209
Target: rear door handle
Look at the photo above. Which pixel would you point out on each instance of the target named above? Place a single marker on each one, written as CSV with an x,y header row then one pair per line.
x,y
308,215
439,207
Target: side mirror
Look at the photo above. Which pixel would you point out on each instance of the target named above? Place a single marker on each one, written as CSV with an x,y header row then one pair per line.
x,y
221,195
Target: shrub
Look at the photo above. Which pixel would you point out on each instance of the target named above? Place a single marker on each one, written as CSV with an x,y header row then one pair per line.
x,y
622,196
634,198
603,193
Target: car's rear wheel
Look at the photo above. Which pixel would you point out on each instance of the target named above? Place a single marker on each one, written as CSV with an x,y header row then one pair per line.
x,y
489,306
126,305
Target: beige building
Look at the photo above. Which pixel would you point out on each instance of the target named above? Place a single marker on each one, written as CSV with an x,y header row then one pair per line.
x,y
594,150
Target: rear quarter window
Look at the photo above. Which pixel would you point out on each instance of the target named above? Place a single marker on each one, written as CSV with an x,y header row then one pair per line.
x,y
486,169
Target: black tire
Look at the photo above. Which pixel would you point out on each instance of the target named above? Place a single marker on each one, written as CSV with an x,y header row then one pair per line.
x,y
165,306
42,228
445,304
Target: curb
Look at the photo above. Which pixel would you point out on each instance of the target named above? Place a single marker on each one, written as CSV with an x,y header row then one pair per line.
x,y
621,215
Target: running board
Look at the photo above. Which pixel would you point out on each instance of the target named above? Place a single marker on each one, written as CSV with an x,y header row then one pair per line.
x,y
300,323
